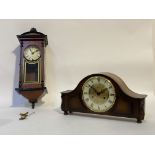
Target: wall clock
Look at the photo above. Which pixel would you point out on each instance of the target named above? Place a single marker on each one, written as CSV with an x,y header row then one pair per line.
x,y
31,75
104,94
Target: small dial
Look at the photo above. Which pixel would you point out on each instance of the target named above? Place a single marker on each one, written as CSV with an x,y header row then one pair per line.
x,y
98,94
32,53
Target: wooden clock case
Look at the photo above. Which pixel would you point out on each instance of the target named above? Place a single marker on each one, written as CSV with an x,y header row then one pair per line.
x,y
127,104
32,91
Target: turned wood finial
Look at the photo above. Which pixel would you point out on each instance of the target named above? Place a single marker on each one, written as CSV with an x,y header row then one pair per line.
x,y
33,30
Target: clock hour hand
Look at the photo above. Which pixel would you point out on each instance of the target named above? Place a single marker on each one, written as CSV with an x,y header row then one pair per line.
x,y
32,52
93,89
103,90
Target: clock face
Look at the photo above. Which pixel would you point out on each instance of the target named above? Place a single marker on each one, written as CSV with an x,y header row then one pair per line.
x,y
98,94
32,53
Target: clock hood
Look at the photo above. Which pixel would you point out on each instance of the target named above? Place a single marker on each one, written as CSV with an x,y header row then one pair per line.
x,y
33,34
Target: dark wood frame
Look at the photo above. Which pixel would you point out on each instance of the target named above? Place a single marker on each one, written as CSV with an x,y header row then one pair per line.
x,y
127,104
32,91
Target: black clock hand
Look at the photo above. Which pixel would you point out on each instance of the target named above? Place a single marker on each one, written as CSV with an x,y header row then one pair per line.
x,y
35,51
31,50
103,90
94,89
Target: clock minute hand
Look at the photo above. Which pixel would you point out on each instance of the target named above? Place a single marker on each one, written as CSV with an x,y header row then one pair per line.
x,y
31,50
93,89
36,51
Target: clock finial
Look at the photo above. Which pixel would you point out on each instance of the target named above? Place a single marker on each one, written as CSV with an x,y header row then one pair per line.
x,y
33,30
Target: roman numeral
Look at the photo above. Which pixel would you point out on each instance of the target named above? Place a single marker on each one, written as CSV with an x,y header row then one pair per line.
x,y
87,86
87,99
112,94
110,101
110,87
98,79
92,105
91,81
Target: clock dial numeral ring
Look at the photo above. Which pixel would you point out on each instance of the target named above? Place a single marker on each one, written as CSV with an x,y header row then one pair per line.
x,y
32,53
98,94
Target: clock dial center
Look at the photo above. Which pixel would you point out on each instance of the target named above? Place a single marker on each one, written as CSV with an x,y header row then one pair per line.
x,y
98,93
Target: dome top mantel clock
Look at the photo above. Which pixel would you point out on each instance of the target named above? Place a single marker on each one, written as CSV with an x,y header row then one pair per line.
x,y
104,94
31,74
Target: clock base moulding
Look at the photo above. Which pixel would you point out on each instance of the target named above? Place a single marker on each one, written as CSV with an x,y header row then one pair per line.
x,y
32,94
127,103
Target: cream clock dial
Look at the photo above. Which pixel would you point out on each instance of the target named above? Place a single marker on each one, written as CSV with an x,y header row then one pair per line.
x,y
98,94
32,53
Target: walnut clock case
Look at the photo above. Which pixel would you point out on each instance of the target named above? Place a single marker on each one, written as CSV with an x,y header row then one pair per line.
x,y
104,94
31,75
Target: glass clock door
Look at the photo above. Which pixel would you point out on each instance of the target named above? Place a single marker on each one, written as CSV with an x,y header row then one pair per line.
x,y
32,72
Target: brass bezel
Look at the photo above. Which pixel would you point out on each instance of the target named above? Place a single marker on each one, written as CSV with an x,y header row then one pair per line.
x,y
98,111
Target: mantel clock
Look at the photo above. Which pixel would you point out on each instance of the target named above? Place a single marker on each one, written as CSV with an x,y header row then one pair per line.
x,y
31,75
104,94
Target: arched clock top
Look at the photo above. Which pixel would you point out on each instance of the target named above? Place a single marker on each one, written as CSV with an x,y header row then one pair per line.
x,y
123,86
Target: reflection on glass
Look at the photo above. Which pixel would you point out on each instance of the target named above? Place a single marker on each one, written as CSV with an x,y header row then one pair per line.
x,y
32,72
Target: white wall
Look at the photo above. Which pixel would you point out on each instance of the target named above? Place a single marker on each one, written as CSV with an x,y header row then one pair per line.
x,y
76,49
153,46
